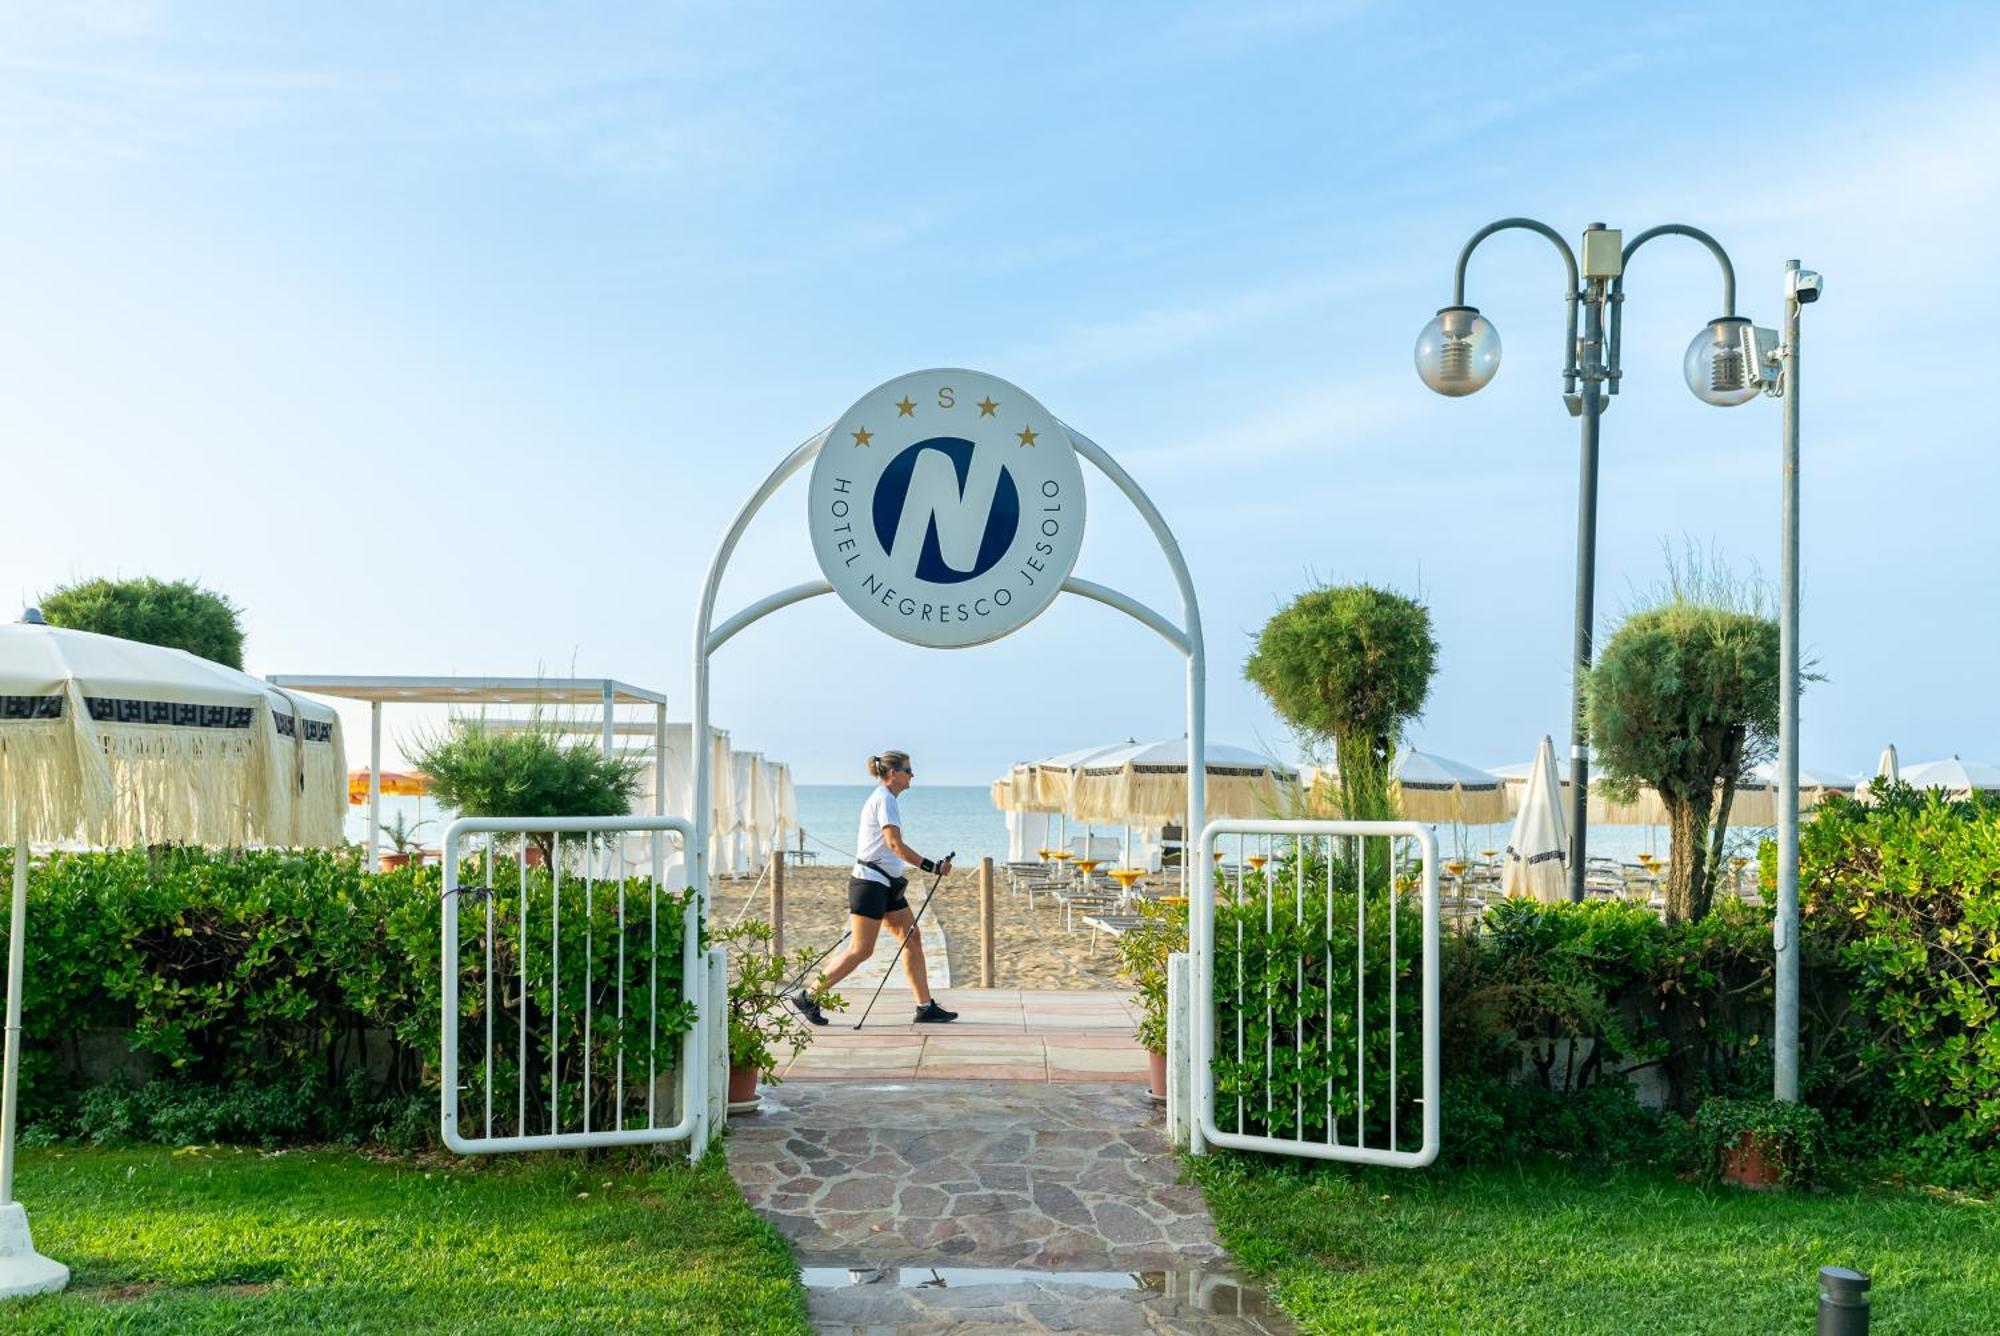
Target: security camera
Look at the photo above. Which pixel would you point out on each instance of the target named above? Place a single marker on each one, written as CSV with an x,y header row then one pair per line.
x,y
1805,286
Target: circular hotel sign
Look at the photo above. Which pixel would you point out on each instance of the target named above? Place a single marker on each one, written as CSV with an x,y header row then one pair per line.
x,y
947,508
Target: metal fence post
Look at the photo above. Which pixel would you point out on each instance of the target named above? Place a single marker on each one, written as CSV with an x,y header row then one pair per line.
x,y
986,923
777,903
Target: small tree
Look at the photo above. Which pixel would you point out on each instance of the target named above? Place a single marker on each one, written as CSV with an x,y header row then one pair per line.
x,y
525,773
1685,698
1349,665
178,614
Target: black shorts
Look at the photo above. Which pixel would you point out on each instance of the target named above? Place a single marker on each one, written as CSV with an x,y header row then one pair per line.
x,y
871,899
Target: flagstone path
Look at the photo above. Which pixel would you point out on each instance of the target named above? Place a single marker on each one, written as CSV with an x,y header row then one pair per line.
x,y
902,1198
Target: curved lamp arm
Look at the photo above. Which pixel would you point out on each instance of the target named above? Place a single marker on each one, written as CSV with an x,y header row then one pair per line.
x,y
1618,283
1571,297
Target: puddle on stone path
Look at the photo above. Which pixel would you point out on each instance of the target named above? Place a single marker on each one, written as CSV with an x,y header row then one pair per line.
x,y
1204,1289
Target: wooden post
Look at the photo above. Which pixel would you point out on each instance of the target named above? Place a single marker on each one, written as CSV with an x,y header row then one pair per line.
x,y
777,903
986,923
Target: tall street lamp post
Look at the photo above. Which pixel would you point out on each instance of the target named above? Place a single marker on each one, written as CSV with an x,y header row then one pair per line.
x,y
1729,362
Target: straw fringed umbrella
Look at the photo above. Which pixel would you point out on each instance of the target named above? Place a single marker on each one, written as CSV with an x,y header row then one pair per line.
x,y
1538,846
1145,782
115,742
1430,788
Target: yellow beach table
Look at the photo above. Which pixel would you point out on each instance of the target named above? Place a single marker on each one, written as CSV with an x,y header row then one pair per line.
x,y
112,742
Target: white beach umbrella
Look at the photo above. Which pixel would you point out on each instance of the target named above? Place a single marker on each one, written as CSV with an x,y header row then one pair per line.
x,y
117,742
1538,847
1145,782
1051,778
1959,779
1430,788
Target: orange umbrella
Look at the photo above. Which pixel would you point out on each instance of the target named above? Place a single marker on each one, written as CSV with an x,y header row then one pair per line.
x,y
395,783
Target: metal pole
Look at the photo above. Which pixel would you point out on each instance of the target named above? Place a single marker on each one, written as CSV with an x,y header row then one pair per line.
x,y
1586,581
16,958
374,784
1785,927
610,701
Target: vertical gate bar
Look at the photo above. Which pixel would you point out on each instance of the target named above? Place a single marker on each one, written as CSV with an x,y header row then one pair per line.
x,y
1299,986
1395,968
1360,989
490,897
653,996
521,1075
619,1078
555,982
1326,1041
1270,992
589,912
1236,903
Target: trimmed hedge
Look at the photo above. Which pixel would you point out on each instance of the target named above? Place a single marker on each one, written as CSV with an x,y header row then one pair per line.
x,y
280,995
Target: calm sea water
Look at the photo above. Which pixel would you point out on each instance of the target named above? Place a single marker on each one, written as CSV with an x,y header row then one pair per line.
x,y
942,817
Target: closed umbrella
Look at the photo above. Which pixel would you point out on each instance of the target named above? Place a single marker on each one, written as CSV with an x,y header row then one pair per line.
x,y
117,742
1888,767
1538,847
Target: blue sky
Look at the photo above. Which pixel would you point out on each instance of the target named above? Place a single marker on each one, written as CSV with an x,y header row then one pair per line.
x,y
448,341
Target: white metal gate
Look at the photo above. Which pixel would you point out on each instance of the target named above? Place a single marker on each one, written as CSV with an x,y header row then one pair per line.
x,y
590,952
1309,991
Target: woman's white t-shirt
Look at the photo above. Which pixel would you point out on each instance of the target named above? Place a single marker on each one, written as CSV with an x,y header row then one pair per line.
x,y
870,845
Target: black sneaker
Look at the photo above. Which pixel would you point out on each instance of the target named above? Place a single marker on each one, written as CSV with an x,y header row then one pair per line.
x,y
930,1013
807,1007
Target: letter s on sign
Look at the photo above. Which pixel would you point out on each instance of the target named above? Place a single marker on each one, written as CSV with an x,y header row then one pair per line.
x,y
946,398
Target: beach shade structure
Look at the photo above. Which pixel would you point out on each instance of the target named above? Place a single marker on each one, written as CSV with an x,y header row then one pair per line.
x,y
115,742
1958,778
1889,767
1537,858
1430,788
395,784
1051,779
1145,782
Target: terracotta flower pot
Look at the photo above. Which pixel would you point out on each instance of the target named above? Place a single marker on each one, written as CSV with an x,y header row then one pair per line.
x,y
391,862
1158,1083
534,855
1753,1162
742,1084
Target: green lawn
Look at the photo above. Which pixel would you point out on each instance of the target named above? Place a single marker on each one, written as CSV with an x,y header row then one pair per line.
x,y
244,1240
1547,1249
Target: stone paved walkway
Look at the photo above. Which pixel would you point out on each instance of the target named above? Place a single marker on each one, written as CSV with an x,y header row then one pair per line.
x,y
1059,1180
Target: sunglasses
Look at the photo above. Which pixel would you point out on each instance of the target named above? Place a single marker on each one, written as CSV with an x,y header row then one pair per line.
x,y
902,770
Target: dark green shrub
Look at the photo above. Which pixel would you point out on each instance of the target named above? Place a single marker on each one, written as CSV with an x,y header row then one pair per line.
x,y
179,614
1790,1135
1142,958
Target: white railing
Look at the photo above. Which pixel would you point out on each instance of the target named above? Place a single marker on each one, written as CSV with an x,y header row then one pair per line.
x,y
578,1086
1316,1063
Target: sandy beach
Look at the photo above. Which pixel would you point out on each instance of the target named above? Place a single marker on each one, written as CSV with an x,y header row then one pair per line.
x,y
1031,950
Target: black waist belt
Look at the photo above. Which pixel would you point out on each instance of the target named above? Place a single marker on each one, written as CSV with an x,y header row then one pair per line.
x,y
896,883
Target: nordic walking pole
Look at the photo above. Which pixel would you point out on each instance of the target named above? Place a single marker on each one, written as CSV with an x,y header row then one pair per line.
x,y
800,977
901,941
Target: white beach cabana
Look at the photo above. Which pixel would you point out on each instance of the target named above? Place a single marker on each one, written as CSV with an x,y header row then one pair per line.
x,y
1537,858
113,742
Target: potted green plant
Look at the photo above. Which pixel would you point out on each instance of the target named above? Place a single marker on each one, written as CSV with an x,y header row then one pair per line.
x,y
1161,931
1759,1143
761,1021
403,842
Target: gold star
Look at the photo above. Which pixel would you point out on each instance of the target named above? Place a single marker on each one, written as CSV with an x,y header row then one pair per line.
x,y
905,407
862,437
986,406
1027,435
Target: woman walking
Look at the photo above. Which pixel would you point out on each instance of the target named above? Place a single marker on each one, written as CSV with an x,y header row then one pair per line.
x,y
875,893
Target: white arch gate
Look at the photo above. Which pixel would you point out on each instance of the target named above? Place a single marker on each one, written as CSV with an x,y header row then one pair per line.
x,y
897,415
